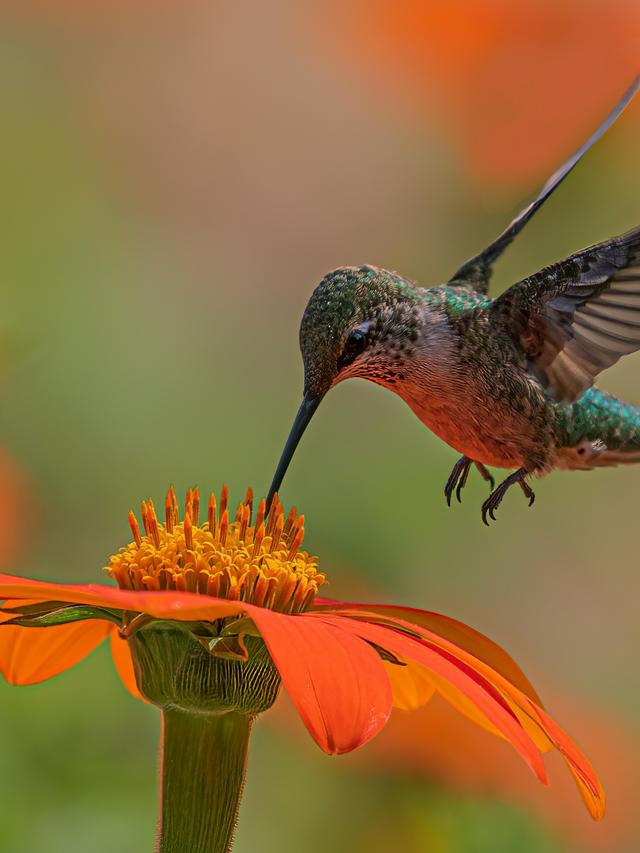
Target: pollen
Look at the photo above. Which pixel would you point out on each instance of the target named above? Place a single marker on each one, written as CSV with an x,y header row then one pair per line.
x,y
257,560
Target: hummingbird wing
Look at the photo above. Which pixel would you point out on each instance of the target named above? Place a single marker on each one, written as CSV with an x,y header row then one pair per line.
x,y
577,317
476,272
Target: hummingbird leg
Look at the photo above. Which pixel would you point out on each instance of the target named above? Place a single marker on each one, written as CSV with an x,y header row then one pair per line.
x,y
487,476
495,498
459,475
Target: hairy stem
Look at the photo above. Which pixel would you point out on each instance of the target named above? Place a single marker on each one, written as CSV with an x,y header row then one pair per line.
x,y
204,760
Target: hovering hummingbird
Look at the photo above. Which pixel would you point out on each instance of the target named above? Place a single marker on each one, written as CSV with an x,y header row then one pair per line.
x,y
506,382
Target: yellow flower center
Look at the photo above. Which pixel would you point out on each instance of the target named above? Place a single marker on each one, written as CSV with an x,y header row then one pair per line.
x,y
257,561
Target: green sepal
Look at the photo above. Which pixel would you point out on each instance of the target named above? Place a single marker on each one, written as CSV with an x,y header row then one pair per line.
x,y
45,615
244,625
231,648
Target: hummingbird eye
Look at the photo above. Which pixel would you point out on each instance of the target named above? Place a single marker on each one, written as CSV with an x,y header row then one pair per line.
x,y
355,344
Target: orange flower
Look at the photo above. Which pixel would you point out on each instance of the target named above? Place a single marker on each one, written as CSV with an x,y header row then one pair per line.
x,y
344,665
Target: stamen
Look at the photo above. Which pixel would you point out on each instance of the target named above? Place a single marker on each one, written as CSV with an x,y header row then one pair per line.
x,y
145,517
244,523
174,503
133,524
224,527
249,501
257,541
262,506
259,563
277,532
211,514
152,521
196,505
168,513
224,500
188,532
274,511
290,520
296,542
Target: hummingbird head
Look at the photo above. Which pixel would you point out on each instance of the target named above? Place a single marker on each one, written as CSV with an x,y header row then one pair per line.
x,y
359,321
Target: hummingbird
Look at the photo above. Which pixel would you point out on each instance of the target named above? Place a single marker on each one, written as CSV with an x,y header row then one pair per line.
x,y
507,382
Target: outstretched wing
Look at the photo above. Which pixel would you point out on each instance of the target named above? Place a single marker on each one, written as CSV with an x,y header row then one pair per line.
x,y
578,316
476,272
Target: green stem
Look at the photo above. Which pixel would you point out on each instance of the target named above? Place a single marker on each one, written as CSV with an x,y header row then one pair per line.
x,y
204,760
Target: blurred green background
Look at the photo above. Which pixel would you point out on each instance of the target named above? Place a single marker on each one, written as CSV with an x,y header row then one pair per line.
x,y
176,178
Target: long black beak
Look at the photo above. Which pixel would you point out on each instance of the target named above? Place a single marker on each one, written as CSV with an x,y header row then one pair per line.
x,y
305,413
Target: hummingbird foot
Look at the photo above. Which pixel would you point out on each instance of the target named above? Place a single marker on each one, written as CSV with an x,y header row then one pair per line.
x,y
458,477
495,498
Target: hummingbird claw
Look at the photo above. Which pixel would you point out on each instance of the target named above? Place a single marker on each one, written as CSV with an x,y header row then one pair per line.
x,y
463,480
459,475
494,500
528,491
457,479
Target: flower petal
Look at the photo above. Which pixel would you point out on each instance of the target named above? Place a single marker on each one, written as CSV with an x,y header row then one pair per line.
x,y
539,726
510,693
469,682
449,629
412,686
186,606
30,655
121,654
336,681
581,769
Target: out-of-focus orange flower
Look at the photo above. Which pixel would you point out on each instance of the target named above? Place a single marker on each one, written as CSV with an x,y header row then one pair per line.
x,y
344,665
518,83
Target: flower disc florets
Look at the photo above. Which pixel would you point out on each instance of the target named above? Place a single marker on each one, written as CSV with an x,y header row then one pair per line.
x,y
257,561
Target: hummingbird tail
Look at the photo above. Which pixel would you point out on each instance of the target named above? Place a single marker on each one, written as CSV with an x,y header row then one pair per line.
x,y
599,430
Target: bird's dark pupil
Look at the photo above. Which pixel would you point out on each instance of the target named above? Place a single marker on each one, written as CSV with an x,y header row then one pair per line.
x,y
356,340
353,347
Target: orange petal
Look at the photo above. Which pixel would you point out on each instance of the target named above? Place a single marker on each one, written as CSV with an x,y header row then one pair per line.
x,y
185,606
444,627
469,682
412,686
336,681
121,654
581,769
30,655
529,723
540,727
464,705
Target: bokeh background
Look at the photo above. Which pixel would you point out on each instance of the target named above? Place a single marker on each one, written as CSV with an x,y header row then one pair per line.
x,y
176,177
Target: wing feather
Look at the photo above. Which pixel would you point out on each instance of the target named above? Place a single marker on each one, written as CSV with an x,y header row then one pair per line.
x,y
575,318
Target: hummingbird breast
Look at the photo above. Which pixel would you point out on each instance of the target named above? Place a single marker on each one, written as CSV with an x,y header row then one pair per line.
x,y
477,398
